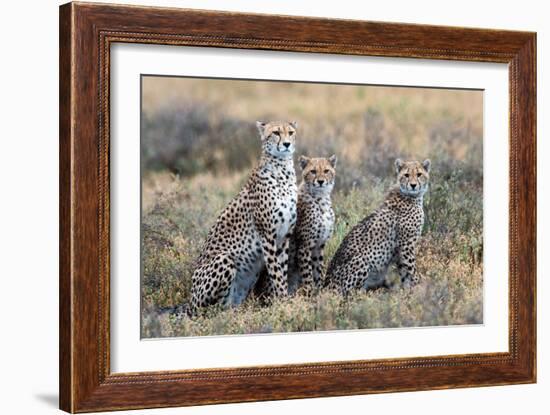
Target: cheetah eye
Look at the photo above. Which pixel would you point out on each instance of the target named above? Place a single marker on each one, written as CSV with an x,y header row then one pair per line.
x,y
419,174
277,133
326,171
314,172
407,175
290,133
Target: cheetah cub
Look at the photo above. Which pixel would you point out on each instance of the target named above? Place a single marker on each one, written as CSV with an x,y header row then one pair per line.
x,y
314,224
253,230
388,235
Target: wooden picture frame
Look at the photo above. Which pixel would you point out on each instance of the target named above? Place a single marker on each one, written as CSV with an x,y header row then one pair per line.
x,y
86,33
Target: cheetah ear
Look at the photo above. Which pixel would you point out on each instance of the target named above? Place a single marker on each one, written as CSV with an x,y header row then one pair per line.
x,y
398,165
294,124
332,160
303,160
261,128
427,164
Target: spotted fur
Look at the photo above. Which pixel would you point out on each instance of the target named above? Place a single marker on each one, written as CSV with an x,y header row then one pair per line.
x,y
388,235
314,224
252,232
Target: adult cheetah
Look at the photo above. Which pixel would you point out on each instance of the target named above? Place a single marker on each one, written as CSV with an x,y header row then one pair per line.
x,y
253,230
314,224
388,235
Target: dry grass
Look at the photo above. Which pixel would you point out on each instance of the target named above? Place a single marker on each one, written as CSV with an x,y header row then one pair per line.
x,y
197,151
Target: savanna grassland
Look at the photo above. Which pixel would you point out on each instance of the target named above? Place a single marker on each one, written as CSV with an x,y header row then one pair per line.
x,y
199,143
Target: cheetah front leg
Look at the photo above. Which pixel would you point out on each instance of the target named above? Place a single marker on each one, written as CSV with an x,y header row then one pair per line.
x,y
276,284
406,265
318,265
305,268
283,254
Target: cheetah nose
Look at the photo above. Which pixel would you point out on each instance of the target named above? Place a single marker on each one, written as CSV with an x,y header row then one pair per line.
x,y
287,145
413,185
320,182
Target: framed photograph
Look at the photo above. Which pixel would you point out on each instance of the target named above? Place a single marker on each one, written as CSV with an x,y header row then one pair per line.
x,y
259,207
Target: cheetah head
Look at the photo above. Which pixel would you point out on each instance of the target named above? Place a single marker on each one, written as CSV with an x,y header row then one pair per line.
x,y
413,176
318,174
278,138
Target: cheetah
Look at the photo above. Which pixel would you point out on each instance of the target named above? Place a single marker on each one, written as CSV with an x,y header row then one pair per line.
x,y
252,233
386,236
314,224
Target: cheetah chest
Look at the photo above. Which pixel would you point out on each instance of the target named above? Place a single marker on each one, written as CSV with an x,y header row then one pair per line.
x,y
285,216
410,224
326,223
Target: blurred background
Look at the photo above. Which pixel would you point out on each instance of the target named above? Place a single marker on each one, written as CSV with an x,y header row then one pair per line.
x,y
197,126
199,143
